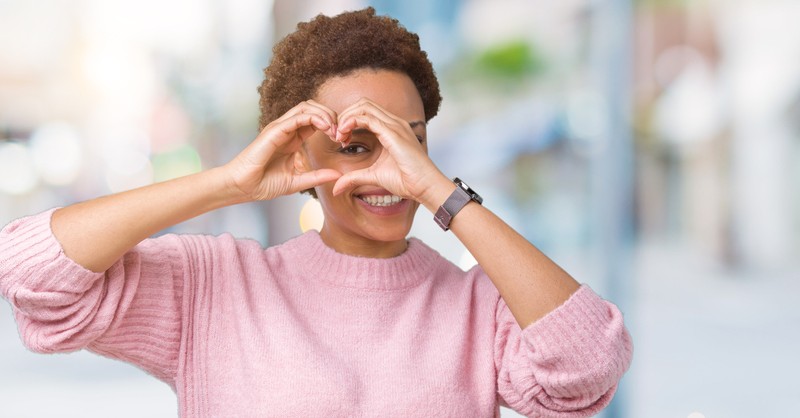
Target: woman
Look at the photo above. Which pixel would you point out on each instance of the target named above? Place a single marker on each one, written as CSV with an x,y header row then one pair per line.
x,y
356,320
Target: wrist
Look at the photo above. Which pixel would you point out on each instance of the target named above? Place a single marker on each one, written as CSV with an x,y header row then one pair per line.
x,y
224,191
439,190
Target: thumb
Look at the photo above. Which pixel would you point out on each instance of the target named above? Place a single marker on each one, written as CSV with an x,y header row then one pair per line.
x,y
353,179
311,179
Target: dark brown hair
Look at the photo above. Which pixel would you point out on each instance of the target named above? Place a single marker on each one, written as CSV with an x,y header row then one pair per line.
x,y
327,47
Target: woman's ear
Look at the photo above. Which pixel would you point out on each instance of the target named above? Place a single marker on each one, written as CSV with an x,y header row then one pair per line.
x,y
301,162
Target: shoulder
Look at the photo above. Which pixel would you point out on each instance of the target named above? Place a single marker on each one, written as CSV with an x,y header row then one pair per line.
x,y
228,264
201,255
204,245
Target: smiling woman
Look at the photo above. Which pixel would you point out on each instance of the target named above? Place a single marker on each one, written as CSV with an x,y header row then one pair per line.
x,y
367,220
356,320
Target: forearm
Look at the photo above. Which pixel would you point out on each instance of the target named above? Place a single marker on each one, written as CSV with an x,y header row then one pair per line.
x,y
529,282
96,233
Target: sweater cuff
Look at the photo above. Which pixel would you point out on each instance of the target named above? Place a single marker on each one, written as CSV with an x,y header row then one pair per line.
x,y
581,347
33,260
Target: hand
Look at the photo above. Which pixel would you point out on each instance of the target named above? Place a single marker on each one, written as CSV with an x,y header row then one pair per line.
x,y
403,166
270,166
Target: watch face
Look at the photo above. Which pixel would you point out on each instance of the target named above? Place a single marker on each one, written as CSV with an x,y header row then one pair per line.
x,y
474,196
462,195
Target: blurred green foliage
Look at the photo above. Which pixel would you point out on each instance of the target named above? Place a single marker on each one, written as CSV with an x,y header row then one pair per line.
x,y
176,163
514,59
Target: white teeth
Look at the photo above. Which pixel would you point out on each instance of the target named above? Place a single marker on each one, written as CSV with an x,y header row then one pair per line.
x,y
387,200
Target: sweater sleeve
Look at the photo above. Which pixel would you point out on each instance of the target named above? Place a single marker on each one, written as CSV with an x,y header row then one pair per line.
x,y
566,364
131,312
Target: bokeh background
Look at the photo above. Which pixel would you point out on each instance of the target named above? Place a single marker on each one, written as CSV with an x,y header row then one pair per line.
x,y
651,147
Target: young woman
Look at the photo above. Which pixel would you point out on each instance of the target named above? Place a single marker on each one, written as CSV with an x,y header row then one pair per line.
x,y
355,320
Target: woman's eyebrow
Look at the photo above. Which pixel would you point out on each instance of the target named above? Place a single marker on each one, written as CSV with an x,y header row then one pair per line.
x,y
361,131
417,123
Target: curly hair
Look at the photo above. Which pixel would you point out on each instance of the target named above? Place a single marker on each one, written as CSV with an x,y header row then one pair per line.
x,y
327,47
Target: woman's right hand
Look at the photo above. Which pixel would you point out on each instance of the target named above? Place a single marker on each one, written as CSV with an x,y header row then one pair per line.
x,y
97,232
270,166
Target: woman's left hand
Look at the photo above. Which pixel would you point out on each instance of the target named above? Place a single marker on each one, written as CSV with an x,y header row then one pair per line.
x,y
403,166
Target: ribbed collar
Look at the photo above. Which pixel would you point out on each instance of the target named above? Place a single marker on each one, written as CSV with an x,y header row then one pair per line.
x,y
317,261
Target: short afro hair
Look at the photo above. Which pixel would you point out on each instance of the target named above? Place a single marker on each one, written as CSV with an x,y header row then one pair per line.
x,y
327,47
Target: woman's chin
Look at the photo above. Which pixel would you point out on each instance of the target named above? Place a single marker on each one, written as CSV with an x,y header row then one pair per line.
x,y
388,237
382,225
389,223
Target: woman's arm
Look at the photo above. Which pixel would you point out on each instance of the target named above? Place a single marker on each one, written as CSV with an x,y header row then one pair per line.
x,y
98,232
558,346
529,282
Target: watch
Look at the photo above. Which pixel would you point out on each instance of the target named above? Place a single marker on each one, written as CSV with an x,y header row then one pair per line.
x,y
462,195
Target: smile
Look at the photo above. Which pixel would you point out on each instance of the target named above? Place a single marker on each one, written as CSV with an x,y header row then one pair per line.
x,y
386,200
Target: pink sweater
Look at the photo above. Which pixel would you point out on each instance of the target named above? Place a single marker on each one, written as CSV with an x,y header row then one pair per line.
x,y
298,330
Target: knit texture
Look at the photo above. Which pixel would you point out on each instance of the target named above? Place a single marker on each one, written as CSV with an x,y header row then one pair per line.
x,y
300,330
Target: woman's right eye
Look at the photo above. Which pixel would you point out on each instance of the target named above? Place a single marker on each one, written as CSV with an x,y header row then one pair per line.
x,y
354,149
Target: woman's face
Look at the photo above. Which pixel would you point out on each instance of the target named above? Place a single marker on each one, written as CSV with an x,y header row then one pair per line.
x,y
364,220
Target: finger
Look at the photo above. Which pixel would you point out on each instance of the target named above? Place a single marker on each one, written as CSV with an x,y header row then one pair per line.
x,y
305,107
275,136
322,107
367,107
312,107
354,118
362,105
311,179
333,117
288,129
390,136
348,123
353,179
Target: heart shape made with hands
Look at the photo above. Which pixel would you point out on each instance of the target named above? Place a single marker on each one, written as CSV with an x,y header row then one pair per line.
x,y
402,160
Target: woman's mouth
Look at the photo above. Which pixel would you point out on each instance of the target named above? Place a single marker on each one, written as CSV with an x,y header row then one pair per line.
x,y
380,200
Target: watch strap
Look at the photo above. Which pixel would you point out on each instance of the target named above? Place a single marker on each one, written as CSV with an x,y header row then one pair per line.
x,y
457,200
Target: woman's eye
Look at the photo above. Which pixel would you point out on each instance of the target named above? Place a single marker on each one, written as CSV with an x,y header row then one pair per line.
x,y
354,149
420,139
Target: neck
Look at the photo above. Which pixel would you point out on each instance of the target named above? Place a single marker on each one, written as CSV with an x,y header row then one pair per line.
x,y
362,246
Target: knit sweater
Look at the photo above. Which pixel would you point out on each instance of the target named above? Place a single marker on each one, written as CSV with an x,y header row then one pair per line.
x,y
299,330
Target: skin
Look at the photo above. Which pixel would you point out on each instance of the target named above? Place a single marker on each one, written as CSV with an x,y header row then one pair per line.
x,y
376,114
351,225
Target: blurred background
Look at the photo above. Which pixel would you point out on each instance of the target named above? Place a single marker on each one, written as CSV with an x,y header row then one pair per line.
x,y
650,147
